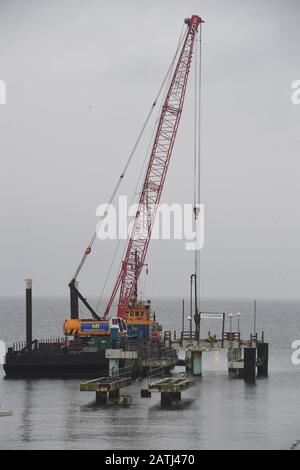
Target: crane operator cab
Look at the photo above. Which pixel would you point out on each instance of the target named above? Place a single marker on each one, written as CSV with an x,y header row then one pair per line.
x,y
117,327
141,324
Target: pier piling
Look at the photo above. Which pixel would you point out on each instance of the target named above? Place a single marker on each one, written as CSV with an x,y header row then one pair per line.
x,y
28,284
169,398
250,365
114,395
197,363
101,398
262,359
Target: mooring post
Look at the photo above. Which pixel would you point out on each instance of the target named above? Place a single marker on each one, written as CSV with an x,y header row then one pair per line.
x,y
28,284
254,318
250,365
262,359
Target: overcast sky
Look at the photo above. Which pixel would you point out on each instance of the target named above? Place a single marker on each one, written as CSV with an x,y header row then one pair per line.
x,y
80,77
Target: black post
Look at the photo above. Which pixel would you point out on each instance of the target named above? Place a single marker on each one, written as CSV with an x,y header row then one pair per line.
x,y
196,312
28,284
182,324
262,359
223,329
197,315
254,325
250,365
191,307
74,303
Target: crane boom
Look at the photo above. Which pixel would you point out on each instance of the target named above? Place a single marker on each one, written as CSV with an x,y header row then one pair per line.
x,y
155,175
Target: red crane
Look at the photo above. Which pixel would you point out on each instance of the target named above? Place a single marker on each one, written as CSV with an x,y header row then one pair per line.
x,y
156,174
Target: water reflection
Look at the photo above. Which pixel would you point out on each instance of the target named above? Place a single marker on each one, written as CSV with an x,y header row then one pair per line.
x,y
27,389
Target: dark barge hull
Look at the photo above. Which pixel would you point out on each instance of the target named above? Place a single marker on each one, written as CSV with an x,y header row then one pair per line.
x,y
52,359
55,364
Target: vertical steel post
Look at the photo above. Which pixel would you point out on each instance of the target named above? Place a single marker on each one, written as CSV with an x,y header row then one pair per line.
x,y
74,302
223,329
254,317
28,285
191,308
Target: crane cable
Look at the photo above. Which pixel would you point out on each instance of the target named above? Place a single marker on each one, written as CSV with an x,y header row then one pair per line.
x,y
197,154
136,188
121,177
197,199
122,231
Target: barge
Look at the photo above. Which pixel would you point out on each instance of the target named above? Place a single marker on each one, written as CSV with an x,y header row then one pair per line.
x,y
83,350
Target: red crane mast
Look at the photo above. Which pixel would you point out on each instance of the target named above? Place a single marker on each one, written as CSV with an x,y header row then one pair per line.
x,y
156,174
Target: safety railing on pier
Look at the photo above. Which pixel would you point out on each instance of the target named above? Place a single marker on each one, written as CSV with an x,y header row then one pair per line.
x,y
189,336
231,336
148,351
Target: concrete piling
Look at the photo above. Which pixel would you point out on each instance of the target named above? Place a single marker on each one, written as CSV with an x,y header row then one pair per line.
x,y
197,363
170,398
114,395
101,398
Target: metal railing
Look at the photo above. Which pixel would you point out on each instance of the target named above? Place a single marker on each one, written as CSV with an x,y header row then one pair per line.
x,y
52,341
22,345
167,336
231,336
189,336
253,337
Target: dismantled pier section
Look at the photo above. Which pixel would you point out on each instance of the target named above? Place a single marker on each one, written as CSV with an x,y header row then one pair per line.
x,y
109,386
170,387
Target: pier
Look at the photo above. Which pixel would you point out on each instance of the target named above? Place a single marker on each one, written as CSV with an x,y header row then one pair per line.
x,y
169,387
246,359
108,386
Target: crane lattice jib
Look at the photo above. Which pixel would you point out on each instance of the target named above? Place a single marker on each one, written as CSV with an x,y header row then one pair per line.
x,y
155,176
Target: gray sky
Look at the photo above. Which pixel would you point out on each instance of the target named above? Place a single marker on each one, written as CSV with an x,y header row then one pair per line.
x,y
80,78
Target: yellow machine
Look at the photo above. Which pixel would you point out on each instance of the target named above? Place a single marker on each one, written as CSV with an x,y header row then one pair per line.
x,y
113,326
138,324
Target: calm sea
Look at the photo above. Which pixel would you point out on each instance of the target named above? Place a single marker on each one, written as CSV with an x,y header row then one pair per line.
x,y
217,413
